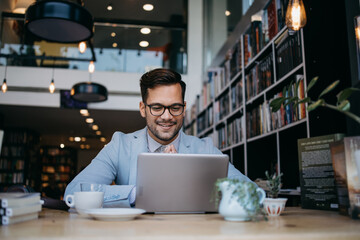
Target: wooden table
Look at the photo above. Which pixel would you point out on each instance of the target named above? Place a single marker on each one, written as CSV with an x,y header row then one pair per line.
x,y
294,223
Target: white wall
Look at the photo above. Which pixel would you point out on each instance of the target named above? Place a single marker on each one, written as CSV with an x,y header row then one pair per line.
x,y
31,84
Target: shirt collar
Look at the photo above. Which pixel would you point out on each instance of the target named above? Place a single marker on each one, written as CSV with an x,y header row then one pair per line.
x,y
153,144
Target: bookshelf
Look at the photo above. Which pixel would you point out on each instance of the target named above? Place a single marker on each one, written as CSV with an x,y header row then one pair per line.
x,y
19,152
255,71
58,168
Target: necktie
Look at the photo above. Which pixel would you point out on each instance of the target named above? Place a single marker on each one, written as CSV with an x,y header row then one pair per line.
x,y
160,149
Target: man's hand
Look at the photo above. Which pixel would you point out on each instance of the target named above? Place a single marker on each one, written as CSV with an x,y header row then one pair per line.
x,y
170,149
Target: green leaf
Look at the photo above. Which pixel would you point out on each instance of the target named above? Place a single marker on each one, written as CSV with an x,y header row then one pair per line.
x,y
345,94
276,103
307,99
315,105
312,83
329,88
344,106
289,100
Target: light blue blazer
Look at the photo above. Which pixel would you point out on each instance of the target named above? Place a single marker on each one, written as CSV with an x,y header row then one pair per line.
x,y
117,161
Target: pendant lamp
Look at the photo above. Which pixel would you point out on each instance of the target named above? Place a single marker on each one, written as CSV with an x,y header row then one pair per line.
x,y
59,21
89,92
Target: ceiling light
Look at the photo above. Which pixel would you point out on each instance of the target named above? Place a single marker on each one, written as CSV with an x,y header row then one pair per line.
x,y
227,13
113,34
82,47
109,7
89,92
71,139
59,21
19,10
89,120
77,139
87,146
145,30
82,146
148,7
52,86
21,6
4,85
84,112
62,145
95,127
83,139
144,43
114,45
91,67
295,15
98,132
102,139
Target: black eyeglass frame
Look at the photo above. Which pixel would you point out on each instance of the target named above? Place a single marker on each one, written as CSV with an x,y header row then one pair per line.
x,y
166,107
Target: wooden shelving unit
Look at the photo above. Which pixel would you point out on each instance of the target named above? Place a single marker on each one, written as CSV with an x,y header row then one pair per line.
x,y
58,168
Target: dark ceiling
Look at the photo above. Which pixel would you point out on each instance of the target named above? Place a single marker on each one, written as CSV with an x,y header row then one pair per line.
x,y
168,18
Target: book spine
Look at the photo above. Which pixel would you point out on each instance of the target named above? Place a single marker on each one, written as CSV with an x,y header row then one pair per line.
x,y
10,212
5,220
19,201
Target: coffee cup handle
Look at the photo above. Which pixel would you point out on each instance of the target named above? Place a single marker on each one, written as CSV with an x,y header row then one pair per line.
x,y
262,194
67,198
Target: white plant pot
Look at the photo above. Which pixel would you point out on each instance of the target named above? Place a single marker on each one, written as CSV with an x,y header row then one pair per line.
x,y
274,206
229,206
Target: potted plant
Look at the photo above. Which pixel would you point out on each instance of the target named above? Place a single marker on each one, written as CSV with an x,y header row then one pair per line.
x,y
272,204
240,200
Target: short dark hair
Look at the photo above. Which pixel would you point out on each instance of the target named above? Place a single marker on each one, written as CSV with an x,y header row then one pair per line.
x,y
160,76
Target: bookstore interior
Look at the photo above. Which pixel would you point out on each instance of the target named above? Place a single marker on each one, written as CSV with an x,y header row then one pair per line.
x,y
310,67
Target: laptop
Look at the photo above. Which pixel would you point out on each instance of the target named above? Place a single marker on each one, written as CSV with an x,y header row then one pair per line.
x,y
178,183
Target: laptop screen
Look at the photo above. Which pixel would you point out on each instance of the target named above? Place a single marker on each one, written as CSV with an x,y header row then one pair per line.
x,y
178,182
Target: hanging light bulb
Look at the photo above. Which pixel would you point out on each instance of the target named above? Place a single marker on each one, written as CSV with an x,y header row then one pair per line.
x,y
82,47
91,67
52,85
4,85
295,15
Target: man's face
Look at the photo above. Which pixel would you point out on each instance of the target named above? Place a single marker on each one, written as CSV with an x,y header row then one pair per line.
x,y
166,127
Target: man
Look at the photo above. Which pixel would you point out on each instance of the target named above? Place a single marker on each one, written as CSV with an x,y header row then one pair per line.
x,y
163,107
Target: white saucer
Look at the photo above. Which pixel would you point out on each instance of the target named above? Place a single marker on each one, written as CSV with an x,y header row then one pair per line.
x,y
114,214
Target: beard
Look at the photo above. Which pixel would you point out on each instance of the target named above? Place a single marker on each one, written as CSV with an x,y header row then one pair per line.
x,y
164,135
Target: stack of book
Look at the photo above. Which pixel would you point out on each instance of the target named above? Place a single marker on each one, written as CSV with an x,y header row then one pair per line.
x,y
19,207
345,155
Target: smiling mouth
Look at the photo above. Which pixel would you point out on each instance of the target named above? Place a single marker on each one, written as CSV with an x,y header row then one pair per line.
x,y
166,126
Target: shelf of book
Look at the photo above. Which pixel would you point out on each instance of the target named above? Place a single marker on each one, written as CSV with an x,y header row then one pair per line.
x,y
19,150
58,166
256,70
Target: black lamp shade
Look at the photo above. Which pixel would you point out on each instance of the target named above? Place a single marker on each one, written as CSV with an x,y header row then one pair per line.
x,y
59,21
89,92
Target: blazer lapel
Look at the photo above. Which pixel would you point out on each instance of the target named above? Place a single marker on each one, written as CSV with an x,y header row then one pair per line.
x,y
184,146
138,145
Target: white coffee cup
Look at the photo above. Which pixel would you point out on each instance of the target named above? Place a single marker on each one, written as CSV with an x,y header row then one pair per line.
x,y
85,200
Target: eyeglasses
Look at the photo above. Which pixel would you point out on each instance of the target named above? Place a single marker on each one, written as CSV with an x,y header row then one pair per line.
x,y
158,109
